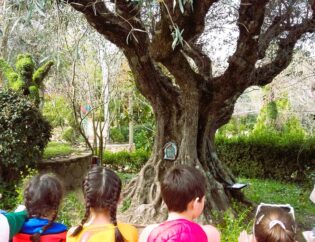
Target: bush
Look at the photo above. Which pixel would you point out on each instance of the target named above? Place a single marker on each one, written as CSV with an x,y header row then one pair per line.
x,y
13,190
268,155
70,135
231,225
24,132
56,111
144,136
127,161
119,135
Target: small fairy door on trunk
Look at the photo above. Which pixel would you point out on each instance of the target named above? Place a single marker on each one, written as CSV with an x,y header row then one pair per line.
x,y
170,151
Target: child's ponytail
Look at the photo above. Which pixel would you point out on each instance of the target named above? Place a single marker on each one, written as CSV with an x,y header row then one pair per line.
x,y
118,236
36,237
79,228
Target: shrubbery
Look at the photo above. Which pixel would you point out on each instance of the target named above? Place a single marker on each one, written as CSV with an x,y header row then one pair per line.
x,y
126,161
271,156
143,136
24,132
268,155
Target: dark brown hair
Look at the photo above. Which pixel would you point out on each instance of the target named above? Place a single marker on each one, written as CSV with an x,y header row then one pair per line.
x,y
181,185
101,188
42,197
264,218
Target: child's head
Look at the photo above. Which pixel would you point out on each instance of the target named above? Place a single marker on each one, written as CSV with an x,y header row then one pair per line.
x,y
274,224
182,185
42,197
101,188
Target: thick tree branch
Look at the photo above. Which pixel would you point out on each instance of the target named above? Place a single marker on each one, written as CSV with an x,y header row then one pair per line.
x,y
202,61
191,22
251,16
241,64
184,75
115,28
270,34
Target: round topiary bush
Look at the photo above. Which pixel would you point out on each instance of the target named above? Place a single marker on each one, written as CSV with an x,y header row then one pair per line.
x,y
24,132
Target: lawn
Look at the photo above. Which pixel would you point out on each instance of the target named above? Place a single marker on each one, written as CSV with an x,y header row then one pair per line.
x,y
54,149
270,191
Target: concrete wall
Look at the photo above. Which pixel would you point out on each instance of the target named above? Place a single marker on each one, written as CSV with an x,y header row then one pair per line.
x,y
71,169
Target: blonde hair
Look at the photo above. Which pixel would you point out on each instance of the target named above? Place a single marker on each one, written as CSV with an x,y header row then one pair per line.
x,y
274,224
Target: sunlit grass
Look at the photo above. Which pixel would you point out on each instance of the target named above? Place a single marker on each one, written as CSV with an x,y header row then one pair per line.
x,y
54,149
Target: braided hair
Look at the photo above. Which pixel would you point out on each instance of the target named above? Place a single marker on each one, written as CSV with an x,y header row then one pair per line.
x,y
42,197
101,188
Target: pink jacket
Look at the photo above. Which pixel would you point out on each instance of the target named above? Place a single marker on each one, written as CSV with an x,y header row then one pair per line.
x,y
178,230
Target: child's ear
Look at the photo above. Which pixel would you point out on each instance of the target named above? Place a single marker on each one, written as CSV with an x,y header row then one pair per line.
x,y
197,206
198,202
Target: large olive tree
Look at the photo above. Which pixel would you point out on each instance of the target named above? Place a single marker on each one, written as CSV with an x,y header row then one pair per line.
x,y
189,102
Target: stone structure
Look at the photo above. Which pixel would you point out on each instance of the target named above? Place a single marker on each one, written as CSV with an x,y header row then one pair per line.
x,y
70,169
120,147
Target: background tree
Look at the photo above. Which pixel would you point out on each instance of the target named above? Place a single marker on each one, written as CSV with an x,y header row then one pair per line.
x,y
190,103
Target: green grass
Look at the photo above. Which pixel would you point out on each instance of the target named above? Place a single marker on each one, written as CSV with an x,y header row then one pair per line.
x,y
271,191
54,149
72,209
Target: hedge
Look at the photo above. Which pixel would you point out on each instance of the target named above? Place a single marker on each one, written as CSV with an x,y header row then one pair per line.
x,y
255,157
283,159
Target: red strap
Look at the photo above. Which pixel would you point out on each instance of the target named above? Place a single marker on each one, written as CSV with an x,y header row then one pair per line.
x,y
61,237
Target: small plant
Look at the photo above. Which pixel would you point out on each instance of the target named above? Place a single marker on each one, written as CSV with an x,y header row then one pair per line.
x,y
71,210
25,175
231,225
125,205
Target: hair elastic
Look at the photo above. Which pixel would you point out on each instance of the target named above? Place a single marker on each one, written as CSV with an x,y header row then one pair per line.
x,y
275,222
260,218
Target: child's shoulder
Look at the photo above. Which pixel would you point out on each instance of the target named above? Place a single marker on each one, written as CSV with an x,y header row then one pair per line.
x,y
146,232
127,227
129,232
212,233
